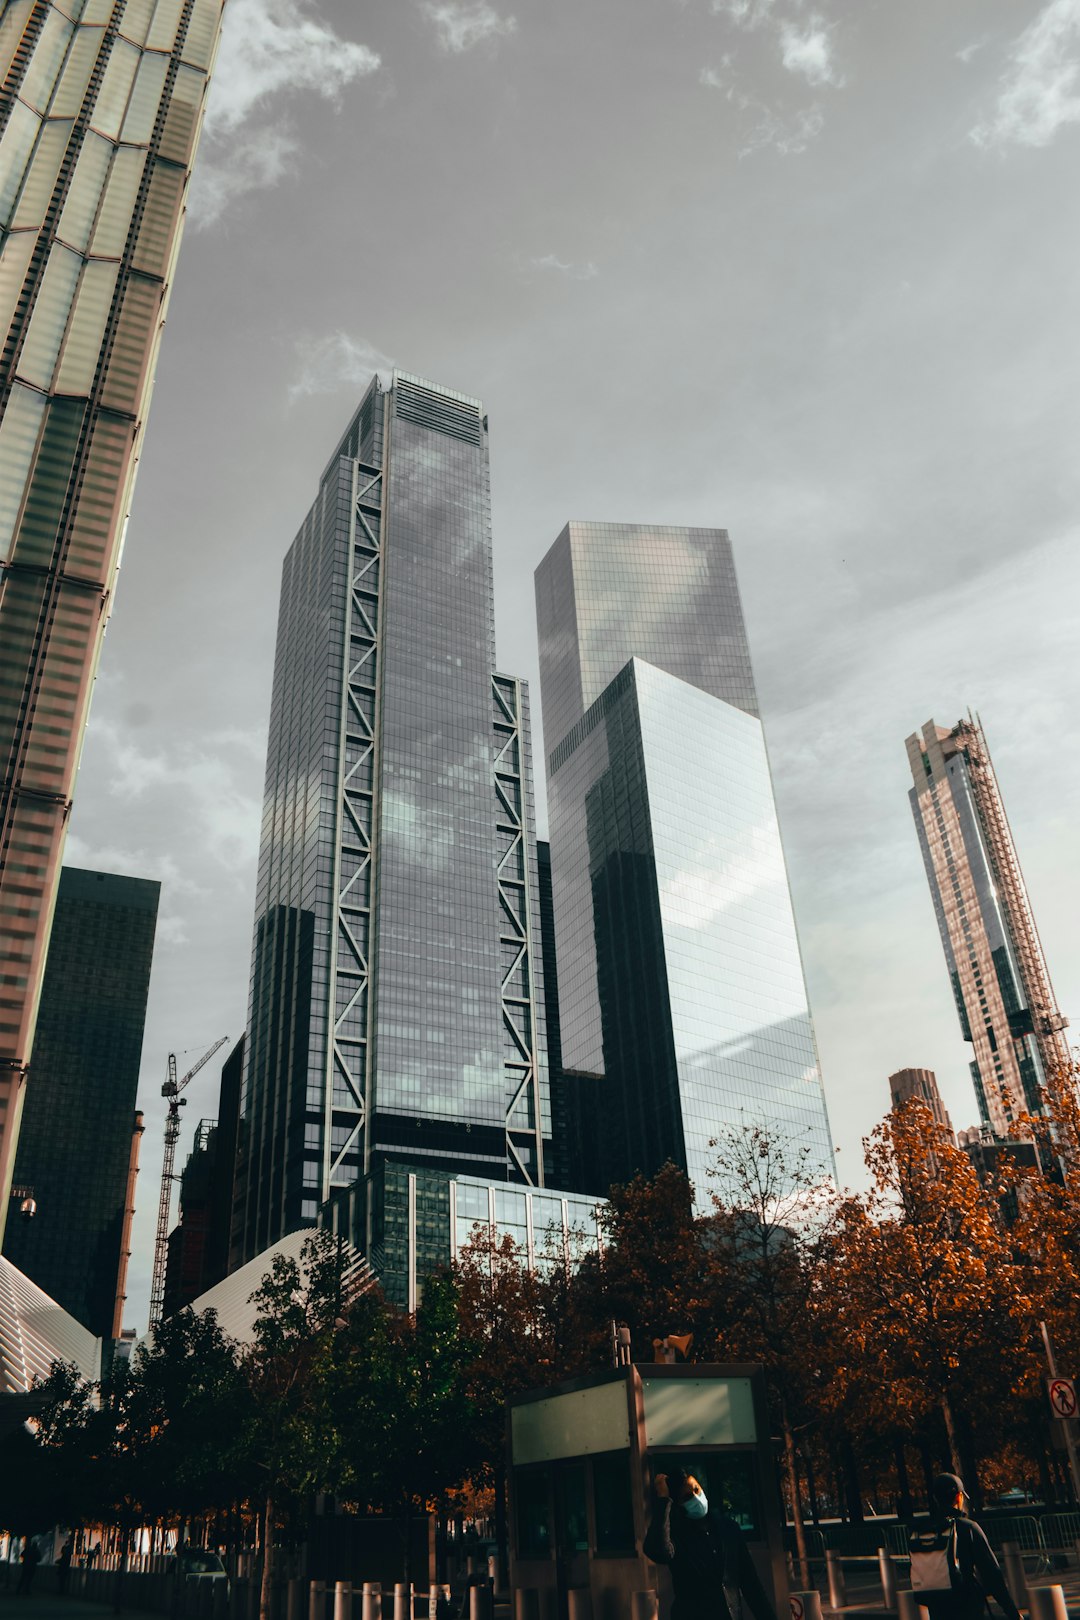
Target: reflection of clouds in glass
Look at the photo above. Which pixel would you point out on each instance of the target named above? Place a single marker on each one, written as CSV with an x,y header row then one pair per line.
x,y
718,879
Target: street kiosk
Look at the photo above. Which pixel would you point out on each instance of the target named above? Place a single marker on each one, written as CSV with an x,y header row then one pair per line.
x,y
582,1458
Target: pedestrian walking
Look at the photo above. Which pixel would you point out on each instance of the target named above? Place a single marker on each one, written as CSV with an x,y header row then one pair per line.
x,y
953,1568
31,1558
63,1564
705,1550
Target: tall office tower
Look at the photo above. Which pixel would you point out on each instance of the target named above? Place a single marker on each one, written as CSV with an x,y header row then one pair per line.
x,y
76,1143
396,1012
920,1083
999,976
681,993
100,108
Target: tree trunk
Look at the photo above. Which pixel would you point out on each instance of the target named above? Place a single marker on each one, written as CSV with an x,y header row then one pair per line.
x,y
266,1585
950,1430
791,1469
852,1483
905,1507
928,1471
501,1536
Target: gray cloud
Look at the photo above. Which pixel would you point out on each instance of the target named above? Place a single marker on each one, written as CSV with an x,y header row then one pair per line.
x,y
764,126
269,49
461,24
806,50
336,361
564,267
1039,92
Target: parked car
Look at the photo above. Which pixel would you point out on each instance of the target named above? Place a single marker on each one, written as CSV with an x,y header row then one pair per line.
x,y
199,1564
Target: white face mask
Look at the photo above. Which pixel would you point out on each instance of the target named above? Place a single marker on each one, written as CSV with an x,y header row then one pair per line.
x,y
698,1505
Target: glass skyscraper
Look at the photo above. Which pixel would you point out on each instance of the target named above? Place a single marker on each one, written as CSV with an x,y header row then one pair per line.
x,y
100,110
682,1002
999,977
396,1020
76,1138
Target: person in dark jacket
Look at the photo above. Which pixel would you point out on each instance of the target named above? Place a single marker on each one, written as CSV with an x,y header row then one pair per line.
x,y
705,1551
974,1572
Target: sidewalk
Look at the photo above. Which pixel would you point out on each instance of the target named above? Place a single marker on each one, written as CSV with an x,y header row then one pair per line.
x,y
864,1594
50,1606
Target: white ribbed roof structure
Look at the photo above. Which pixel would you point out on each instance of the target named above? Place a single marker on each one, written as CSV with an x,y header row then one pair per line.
x,y
231,1298
35,1331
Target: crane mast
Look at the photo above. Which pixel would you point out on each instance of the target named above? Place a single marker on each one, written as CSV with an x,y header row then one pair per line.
x,y
171,1091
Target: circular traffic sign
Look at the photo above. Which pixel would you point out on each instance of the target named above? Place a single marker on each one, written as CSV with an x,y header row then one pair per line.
x,y
1063,1397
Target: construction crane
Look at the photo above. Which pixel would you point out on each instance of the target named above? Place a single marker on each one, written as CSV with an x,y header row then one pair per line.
x,y
170,1090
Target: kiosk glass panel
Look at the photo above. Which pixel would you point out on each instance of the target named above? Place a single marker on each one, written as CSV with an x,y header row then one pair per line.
x,y
727,1478
532,1497
613,1507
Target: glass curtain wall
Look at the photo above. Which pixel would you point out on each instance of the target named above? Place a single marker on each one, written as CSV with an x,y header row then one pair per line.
x,y
100,111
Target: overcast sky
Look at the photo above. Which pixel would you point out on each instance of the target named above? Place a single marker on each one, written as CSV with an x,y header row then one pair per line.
x,y
806,270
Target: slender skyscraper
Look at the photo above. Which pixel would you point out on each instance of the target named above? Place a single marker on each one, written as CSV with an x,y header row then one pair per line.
x,y
100,107
76,1141
921,1083
681,994
996,966
396,1013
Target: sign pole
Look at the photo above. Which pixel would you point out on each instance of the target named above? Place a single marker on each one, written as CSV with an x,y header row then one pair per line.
x,y
1066,1422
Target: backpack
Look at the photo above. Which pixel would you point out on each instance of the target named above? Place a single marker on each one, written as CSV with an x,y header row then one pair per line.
x,y
933,1558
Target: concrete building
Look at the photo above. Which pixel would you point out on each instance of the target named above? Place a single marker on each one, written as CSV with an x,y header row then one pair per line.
x,y
921,1083
100,112
1000,982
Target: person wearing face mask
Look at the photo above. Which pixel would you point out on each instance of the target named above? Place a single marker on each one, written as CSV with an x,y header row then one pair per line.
x,y
705,1551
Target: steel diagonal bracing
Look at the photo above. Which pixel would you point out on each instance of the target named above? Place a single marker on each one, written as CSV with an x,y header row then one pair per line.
x,y
521,1061
350,975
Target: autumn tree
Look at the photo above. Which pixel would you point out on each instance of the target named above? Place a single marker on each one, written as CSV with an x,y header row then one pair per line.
x,y
772,1212
290,1436
933,1312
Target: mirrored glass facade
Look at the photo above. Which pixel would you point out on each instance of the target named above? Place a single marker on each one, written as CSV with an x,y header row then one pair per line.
x,y
420,1218
100,111
607,592
683,1008
397,985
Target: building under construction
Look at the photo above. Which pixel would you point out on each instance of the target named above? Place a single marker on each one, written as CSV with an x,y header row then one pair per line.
x,y
999,976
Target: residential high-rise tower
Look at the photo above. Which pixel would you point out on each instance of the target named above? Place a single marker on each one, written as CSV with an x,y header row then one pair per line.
x,y
100,107
396,1011
999,977
75,1147
921,1083
682,1003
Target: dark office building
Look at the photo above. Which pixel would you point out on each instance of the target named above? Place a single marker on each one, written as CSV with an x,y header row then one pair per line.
x,y
396,1015
198,1255
681,993
75,1144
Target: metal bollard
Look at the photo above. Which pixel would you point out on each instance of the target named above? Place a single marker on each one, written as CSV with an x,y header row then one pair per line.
x,y
526,1603
835,1573
1013,1565
579,1603
908,1607
316,1601
481,1603
1047,1603
372,1604
294,1599
437,1595
343,1600
888,1578
805,1605
403,1604
643,1606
